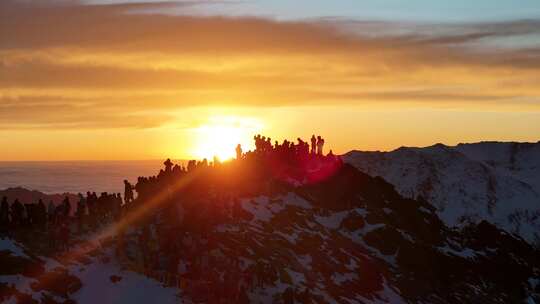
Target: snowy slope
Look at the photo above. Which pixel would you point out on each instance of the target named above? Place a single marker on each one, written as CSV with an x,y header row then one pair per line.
x,y
348,239
352,239
497,182
519,160
85,280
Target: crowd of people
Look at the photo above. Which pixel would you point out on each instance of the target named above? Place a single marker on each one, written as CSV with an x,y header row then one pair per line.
x,y
56,219
298,162
174,239
264,144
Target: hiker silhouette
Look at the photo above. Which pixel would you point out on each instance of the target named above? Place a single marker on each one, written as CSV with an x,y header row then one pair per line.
x,y
238,152
128,192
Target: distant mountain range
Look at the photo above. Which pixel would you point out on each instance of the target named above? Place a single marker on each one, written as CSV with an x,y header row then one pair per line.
x,y
494,181
26,196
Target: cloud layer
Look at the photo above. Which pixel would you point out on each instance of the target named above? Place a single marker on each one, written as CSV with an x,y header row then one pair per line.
x,y
67,65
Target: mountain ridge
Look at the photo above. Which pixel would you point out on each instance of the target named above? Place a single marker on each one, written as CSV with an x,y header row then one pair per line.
x,y
494,181
348,238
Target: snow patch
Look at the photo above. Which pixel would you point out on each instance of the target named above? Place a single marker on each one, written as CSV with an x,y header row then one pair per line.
x,y
332,221
13,247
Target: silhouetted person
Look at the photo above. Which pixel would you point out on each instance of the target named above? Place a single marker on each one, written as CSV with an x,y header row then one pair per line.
x,y
64,236
238,152
257,139
59,213
4,215
27,214
128,192
320,145
17,210
41,214
66,207
263,142
81,212
50,211
268,144
101,206
168,165
117,206
91,205
191,166
313,145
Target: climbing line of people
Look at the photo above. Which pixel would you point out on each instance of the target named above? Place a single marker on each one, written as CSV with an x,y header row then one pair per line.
x,y
176,242
55,219
177,245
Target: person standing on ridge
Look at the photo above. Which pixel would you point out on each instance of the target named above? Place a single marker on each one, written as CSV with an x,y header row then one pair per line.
x,y
41,213
4,215
128,192
168,165
50,212
320,145
238,152
17,210
313,144
81,212
63,236
117,210
67,207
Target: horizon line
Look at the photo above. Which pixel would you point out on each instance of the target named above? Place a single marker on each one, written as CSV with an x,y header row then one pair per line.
x,y
188,159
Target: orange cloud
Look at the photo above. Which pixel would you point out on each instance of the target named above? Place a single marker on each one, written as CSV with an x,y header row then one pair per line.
x,y
110,66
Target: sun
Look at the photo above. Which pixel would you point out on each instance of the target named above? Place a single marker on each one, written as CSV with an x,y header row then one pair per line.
x,y
220,135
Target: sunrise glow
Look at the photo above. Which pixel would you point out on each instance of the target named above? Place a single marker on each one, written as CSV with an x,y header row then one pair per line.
x,y
270,151
220,136
115,82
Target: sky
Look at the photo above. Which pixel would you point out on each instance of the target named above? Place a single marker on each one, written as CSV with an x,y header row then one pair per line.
x,y
190,79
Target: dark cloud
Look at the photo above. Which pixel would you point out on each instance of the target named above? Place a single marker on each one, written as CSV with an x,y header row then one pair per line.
x,y
118,28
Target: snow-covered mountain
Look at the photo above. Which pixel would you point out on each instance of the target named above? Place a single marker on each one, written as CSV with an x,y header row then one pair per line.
x,y
350,238
520,160
492,181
